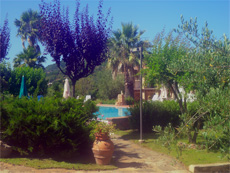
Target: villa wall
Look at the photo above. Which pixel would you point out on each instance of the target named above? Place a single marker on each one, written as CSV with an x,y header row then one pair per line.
x,y
147,93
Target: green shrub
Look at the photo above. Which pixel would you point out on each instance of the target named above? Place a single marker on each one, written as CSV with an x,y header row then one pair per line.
x,y
155,113
100,101
34,79
129,101
90,108
46,126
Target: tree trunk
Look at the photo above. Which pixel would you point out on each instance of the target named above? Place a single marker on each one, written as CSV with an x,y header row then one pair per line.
x,y
129,86
30,41
196,131
23,43
190,136
175,92
129,91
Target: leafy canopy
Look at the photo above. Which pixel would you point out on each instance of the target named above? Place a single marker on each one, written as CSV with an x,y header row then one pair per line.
x,y
4,40
81,45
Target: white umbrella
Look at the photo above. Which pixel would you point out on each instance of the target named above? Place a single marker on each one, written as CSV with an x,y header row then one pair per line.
x,y
66,92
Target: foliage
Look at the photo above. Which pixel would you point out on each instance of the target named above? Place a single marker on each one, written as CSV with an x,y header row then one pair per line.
x,y
192,121
121,59
208,64
53,74
99,85
201,68
5,74
155,113
35,81
187,157
103,127
209,61
30,57
46,126
81,45
216,126
28,28
4,40
129,101
90,107
55,89
167,137
163,61
107,87
100,101
167,134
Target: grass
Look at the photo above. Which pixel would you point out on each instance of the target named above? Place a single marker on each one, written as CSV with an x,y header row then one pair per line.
x,y
62,160
186,156
50,163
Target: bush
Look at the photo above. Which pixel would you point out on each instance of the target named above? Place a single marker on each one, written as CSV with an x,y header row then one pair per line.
x,y
155,113
129,101
46,126
100,101
34,79
90,108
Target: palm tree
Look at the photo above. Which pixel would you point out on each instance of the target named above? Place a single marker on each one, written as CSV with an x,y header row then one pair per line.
x,y
29,57
28,28
121,59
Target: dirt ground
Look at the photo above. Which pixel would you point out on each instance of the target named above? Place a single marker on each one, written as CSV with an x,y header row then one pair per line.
x,y
128,157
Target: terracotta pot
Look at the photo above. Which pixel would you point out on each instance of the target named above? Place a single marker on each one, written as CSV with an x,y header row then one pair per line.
x,y
103,149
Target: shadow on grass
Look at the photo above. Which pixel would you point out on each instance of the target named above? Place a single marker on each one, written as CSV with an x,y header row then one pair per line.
x,y
135,135
84,157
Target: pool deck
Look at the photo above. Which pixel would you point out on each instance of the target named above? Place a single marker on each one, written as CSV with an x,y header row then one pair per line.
x,y
110,105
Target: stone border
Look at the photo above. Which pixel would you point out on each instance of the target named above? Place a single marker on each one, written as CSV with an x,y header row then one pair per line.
x,y
215,167
110,105
122,123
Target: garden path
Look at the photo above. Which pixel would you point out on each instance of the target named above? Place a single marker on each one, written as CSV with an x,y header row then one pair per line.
x,y
128,157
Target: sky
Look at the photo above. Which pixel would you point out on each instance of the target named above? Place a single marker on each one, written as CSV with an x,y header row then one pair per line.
x,y
150,15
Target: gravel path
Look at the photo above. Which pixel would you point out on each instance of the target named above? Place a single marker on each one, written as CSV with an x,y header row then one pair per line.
x,y
128,157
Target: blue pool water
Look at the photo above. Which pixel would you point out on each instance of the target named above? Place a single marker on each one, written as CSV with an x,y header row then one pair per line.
x,y
109,112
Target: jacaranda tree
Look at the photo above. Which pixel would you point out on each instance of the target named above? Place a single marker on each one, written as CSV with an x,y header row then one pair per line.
x,y
81,45
4,40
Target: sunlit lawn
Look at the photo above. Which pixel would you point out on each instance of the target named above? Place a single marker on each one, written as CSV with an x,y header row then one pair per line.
x,y
187,156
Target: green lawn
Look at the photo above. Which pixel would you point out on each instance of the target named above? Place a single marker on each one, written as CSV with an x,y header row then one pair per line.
x,y
50,163
187,156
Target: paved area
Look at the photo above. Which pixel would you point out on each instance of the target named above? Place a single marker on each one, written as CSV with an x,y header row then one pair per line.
x,y
128,157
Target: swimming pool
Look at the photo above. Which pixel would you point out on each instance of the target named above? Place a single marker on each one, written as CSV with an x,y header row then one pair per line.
x,y
109,112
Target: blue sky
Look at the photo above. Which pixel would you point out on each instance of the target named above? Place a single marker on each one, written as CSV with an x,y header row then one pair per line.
x,y
151,15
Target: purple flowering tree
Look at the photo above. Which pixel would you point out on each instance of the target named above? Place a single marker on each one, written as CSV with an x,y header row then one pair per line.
x,y
81,45
4,40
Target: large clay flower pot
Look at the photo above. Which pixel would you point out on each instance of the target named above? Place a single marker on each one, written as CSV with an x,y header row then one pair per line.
x,y
102,149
